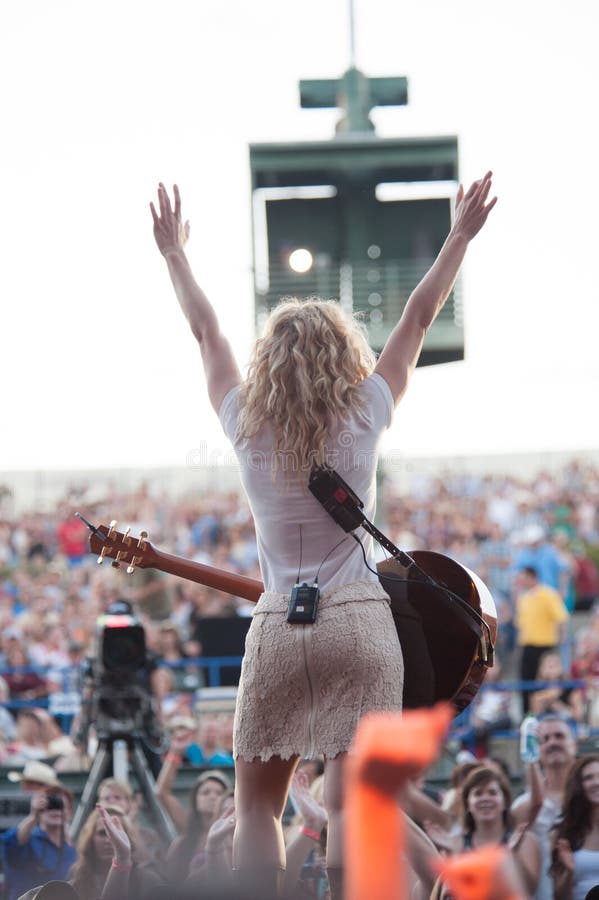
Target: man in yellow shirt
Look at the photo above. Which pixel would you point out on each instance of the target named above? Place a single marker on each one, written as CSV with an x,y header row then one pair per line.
x,y
540,619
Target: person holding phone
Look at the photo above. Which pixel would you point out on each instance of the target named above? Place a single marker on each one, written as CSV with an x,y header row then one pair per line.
x,y
38,849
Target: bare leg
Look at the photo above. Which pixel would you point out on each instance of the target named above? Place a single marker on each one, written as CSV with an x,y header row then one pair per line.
x,y
333,800
260,795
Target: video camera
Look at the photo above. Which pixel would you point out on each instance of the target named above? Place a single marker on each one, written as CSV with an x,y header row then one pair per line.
x,y
118,696
121,641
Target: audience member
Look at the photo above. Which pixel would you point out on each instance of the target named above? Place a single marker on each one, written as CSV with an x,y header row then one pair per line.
x,y
586,577
204,809
585,666
212,868
541,554
214,743
306,846
29,741
540,619
113,792
576,850
490,711
557,751
111,864
486,799
38,849
555,697
193,823
7,723
23,683
35,776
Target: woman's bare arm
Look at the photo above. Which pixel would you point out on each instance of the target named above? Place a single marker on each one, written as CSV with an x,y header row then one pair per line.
x,y
166,780
400,353
220,367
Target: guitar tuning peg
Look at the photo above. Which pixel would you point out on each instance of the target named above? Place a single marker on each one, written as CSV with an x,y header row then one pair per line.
x,y
126,538
115,562
111,528
100,559
133,564
142,536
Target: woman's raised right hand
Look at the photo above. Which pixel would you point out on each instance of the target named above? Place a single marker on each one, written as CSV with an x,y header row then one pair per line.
x,y
170,233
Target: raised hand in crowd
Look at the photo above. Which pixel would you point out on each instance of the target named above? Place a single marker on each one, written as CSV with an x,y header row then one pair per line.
x,y
117,836
307,841
215,864
116,885
179,741
313,813
563,868
220,831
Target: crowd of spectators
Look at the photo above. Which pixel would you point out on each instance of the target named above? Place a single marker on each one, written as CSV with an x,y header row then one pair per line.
x,y
52,592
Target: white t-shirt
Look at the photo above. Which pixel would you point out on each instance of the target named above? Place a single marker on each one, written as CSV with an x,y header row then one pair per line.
x,y
281,505
586,872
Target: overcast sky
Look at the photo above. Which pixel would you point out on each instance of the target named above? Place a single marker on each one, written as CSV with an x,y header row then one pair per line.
x,y
100,101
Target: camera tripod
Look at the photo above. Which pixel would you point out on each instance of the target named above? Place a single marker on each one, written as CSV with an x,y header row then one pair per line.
x,y
122,750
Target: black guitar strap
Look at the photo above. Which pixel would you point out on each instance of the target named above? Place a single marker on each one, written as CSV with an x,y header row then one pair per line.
x,y
345,508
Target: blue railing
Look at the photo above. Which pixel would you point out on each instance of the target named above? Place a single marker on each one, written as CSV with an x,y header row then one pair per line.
x,y
213,666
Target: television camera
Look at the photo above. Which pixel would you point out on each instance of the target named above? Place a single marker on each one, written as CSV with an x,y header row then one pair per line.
x,y
117,700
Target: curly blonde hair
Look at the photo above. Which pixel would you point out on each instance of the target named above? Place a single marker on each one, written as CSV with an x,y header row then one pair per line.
x,y
303,377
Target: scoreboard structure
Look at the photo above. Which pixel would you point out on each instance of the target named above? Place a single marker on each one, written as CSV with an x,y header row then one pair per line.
x,y
357,218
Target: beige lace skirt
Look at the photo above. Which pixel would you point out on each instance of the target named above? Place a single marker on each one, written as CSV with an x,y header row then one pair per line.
x,y
304,688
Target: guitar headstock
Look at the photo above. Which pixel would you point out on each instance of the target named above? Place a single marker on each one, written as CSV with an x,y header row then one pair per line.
x,y
122,548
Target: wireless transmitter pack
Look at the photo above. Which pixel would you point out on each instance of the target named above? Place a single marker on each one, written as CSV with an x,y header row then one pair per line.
x,y
303,604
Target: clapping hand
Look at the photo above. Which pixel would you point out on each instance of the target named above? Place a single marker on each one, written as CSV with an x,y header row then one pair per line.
x,y
221,829
118,837
565,854
314,814
471,207
180,740
170,232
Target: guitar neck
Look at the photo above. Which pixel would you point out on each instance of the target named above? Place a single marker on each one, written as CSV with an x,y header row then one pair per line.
x,y
238,585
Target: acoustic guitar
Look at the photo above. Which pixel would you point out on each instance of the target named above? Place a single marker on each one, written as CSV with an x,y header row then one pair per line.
x,y
447,631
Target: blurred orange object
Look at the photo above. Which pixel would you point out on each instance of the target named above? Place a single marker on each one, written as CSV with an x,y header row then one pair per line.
x,y
482,874
388,749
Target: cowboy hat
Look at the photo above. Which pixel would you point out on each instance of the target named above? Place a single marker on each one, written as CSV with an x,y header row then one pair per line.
x,y
38,772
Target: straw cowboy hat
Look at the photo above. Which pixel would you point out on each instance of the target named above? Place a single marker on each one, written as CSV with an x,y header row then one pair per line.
x,y
52,890
38,772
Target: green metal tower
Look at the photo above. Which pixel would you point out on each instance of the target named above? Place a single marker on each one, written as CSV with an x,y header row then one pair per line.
x,y
357,218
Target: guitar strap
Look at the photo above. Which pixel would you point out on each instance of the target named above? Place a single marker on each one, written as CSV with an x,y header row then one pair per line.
x,y
345,508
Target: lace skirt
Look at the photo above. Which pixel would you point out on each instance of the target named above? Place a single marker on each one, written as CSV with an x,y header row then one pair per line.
x,y
304,688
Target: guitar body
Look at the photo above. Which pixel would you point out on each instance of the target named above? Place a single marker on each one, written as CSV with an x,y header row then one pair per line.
x,y
441,653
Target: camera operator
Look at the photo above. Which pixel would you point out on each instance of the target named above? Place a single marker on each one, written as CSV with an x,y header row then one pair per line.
x,y
38,849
